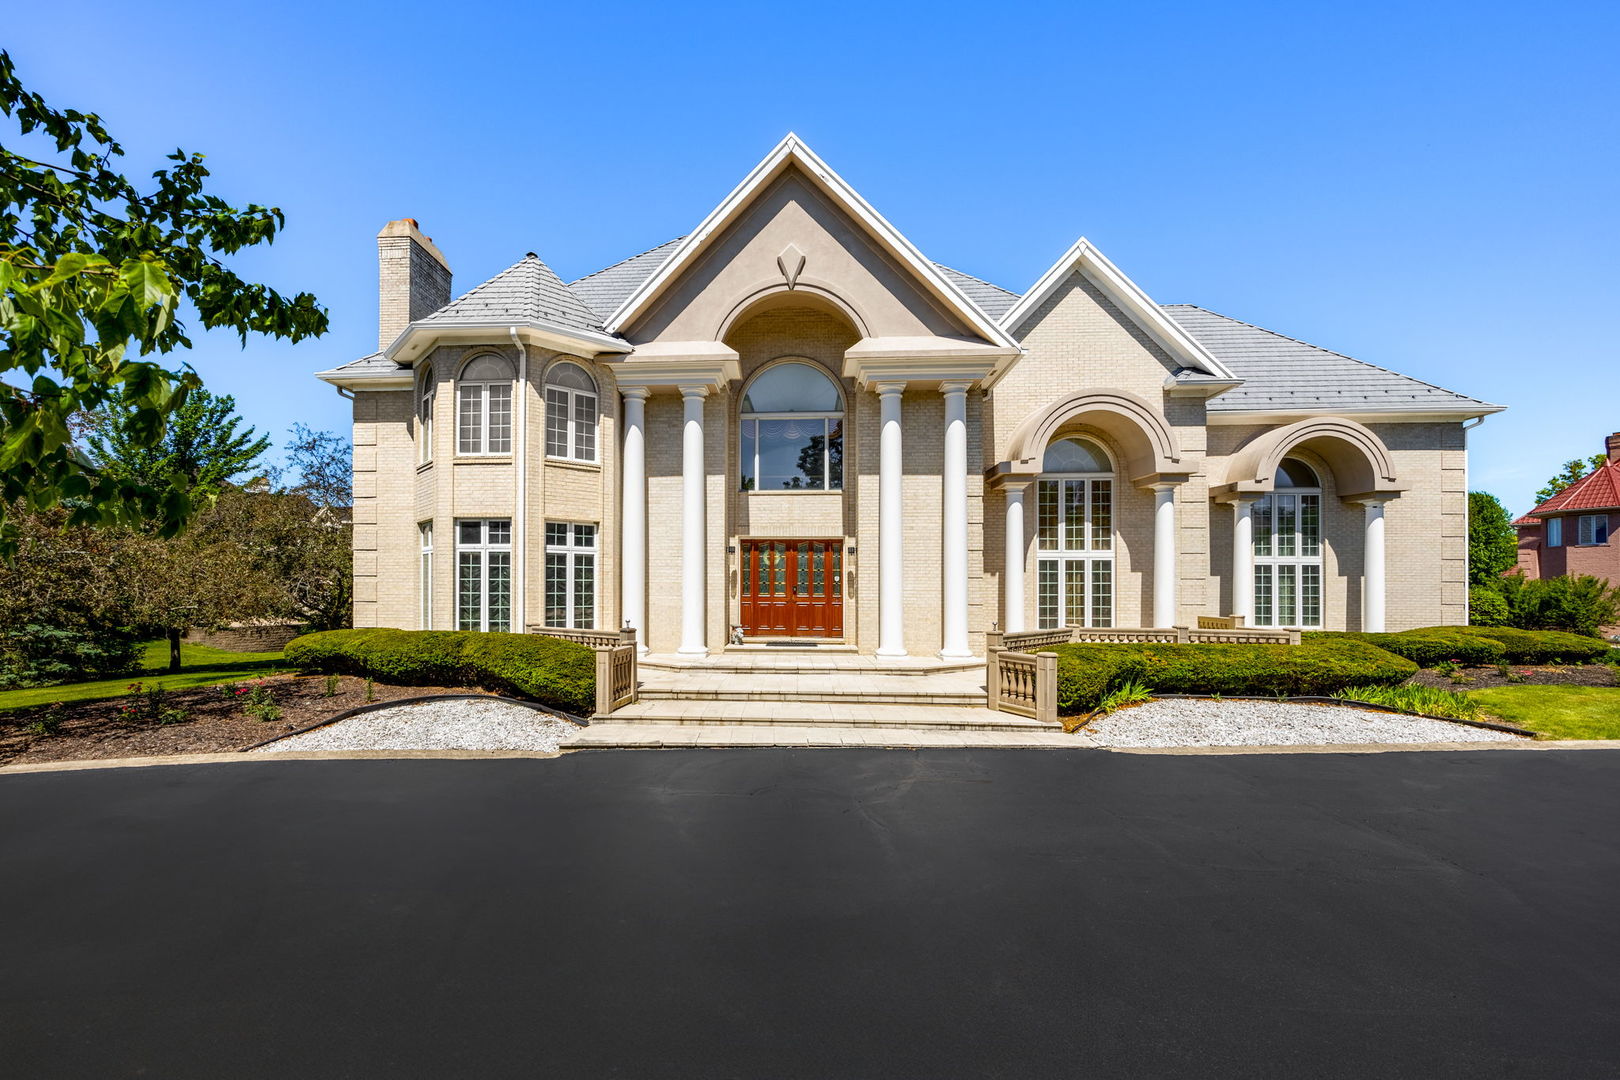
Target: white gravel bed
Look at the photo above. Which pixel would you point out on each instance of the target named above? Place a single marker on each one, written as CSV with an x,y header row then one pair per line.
x,y
1180,722
466,724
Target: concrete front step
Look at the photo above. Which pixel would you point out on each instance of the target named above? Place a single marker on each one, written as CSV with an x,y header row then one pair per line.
x,y
856,688
764,661
823,714
609,735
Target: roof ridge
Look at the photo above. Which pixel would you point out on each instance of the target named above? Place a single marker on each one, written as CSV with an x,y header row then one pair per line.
x,y
1330,352
1610,470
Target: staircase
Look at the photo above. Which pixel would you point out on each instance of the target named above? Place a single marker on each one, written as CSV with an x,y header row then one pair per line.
x,y
783,688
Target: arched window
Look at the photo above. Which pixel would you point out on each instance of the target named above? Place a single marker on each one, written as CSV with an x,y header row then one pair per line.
x,y
1074,539
792,431
484,407
570,413
424,416
1288,549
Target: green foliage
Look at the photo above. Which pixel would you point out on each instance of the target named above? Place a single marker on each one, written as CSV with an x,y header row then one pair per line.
x,y
548,670
37,655
1431,646
201,442
1417,700
331,687
92,272
148,703
1487,606
1493,546
1541,646
1572,472
1558,712
1320,665
1580,604
258,702
1131,693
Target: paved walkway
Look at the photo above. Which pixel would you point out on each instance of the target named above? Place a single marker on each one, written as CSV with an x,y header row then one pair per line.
x,y
607,734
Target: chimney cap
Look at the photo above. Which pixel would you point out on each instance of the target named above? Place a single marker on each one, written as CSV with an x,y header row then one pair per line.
x,y
412,229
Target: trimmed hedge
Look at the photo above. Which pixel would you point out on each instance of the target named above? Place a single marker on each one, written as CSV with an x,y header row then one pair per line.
x,y
1480,646
1086,672
550,671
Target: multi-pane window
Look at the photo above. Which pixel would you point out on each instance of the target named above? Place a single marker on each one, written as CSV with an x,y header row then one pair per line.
x,y
570,575
484,407
484,575
1074,537
1287,529
570,413
792,431
424,418
1592,529
424,576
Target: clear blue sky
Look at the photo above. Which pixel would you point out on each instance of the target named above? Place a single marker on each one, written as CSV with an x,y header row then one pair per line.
x,y
1429,187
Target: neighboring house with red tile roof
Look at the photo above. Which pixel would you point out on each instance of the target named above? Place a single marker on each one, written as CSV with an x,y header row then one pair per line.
x,y
1574,531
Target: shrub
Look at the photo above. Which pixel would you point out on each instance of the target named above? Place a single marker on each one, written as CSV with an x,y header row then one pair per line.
x,y
1580,604
1418,700
35,655
1487,607
1430,646
1320,665
547,670
1540,646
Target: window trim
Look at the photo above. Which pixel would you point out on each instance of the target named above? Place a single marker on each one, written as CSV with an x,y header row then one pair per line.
x,y
1087,554
1594,522
571,423
424,575
483,549
1298,561
1555,532
571,551
828,419
426,401
482,428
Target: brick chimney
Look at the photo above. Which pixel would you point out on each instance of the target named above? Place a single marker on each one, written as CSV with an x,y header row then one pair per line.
x,y
1612,445
413,278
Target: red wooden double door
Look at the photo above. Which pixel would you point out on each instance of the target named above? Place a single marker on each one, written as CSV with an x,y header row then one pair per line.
x,y
793,588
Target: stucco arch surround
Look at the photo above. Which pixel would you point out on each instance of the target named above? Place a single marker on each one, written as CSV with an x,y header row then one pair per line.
x,y
766,295
1362,465
1147,447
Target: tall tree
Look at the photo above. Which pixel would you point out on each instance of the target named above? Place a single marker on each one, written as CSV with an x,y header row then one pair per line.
x,y
1493,546
1572,471
92,273
202,442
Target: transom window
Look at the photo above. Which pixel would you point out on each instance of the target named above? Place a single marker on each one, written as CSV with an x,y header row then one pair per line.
x,y
792,431
1074,538
484,575
484,407
570,413
570,575
1287,526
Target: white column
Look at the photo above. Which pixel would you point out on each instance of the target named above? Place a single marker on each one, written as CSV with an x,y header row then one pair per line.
x,y
954,518
1243,559
891,568
693,536
1012,570
1164,555
633,515
1372,601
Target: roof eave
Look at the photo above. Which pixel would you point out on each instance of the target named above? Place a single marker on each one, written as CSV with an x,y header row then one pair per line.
x,y
1365,416
415,340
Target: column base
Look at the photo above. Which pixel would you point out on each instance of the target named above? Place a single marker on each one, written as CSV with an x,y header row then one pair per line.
x,y
890,654
699,650
954,654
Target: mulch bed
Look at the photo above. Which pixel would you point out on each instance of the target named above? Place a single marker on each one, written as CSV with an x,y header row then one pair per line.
x,y
214,724
1485,678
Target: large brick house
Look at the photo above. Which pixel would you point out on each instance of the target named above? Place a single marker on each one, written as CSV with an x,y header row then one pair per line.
x,y
1574,531
789,425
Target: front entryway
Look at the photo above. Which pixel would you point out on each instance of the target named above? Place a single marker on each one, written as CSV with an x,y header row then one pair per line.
x,y
792,588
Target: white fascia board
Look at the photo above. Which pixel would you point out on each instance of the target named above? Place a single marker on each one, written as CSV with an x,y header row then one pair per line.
x,y
792,150
370,381
417,337
1101,272
1233,418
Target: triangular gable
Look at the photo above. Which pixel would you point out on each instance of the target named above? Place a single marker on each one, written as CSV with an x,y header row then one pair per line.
x,y
1126,295
788,153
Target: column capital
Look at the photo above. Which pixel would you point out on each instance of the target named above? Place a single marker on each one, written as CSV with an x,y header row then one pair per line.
x,y
887,387
693,390
955,386
1016,485
636,393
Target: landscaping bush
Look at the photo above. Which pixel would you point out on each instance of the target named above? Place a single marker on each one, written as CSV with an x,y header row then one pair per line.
x,y
1579,604
1540,646
1487,606
1318,666
1430,645
34,655
547,670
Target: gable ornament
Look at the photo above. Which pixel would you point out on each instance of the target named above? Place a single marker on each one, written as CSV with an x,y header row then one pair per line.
x,y
791,263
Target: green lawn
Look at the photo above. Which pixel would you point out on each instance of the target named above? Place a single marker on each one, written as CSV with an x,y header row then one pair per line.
x,y
199,666
1558,712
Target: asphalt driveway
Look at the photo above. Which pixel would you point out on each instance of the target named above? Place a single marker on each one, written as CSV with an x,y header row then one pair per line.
x,y
802,913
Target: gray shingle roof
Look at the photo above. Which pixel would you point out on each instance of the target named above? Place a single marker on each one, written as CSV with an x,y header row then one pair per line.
x,y
1282,374
608,288
373,365
526,291
993,300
